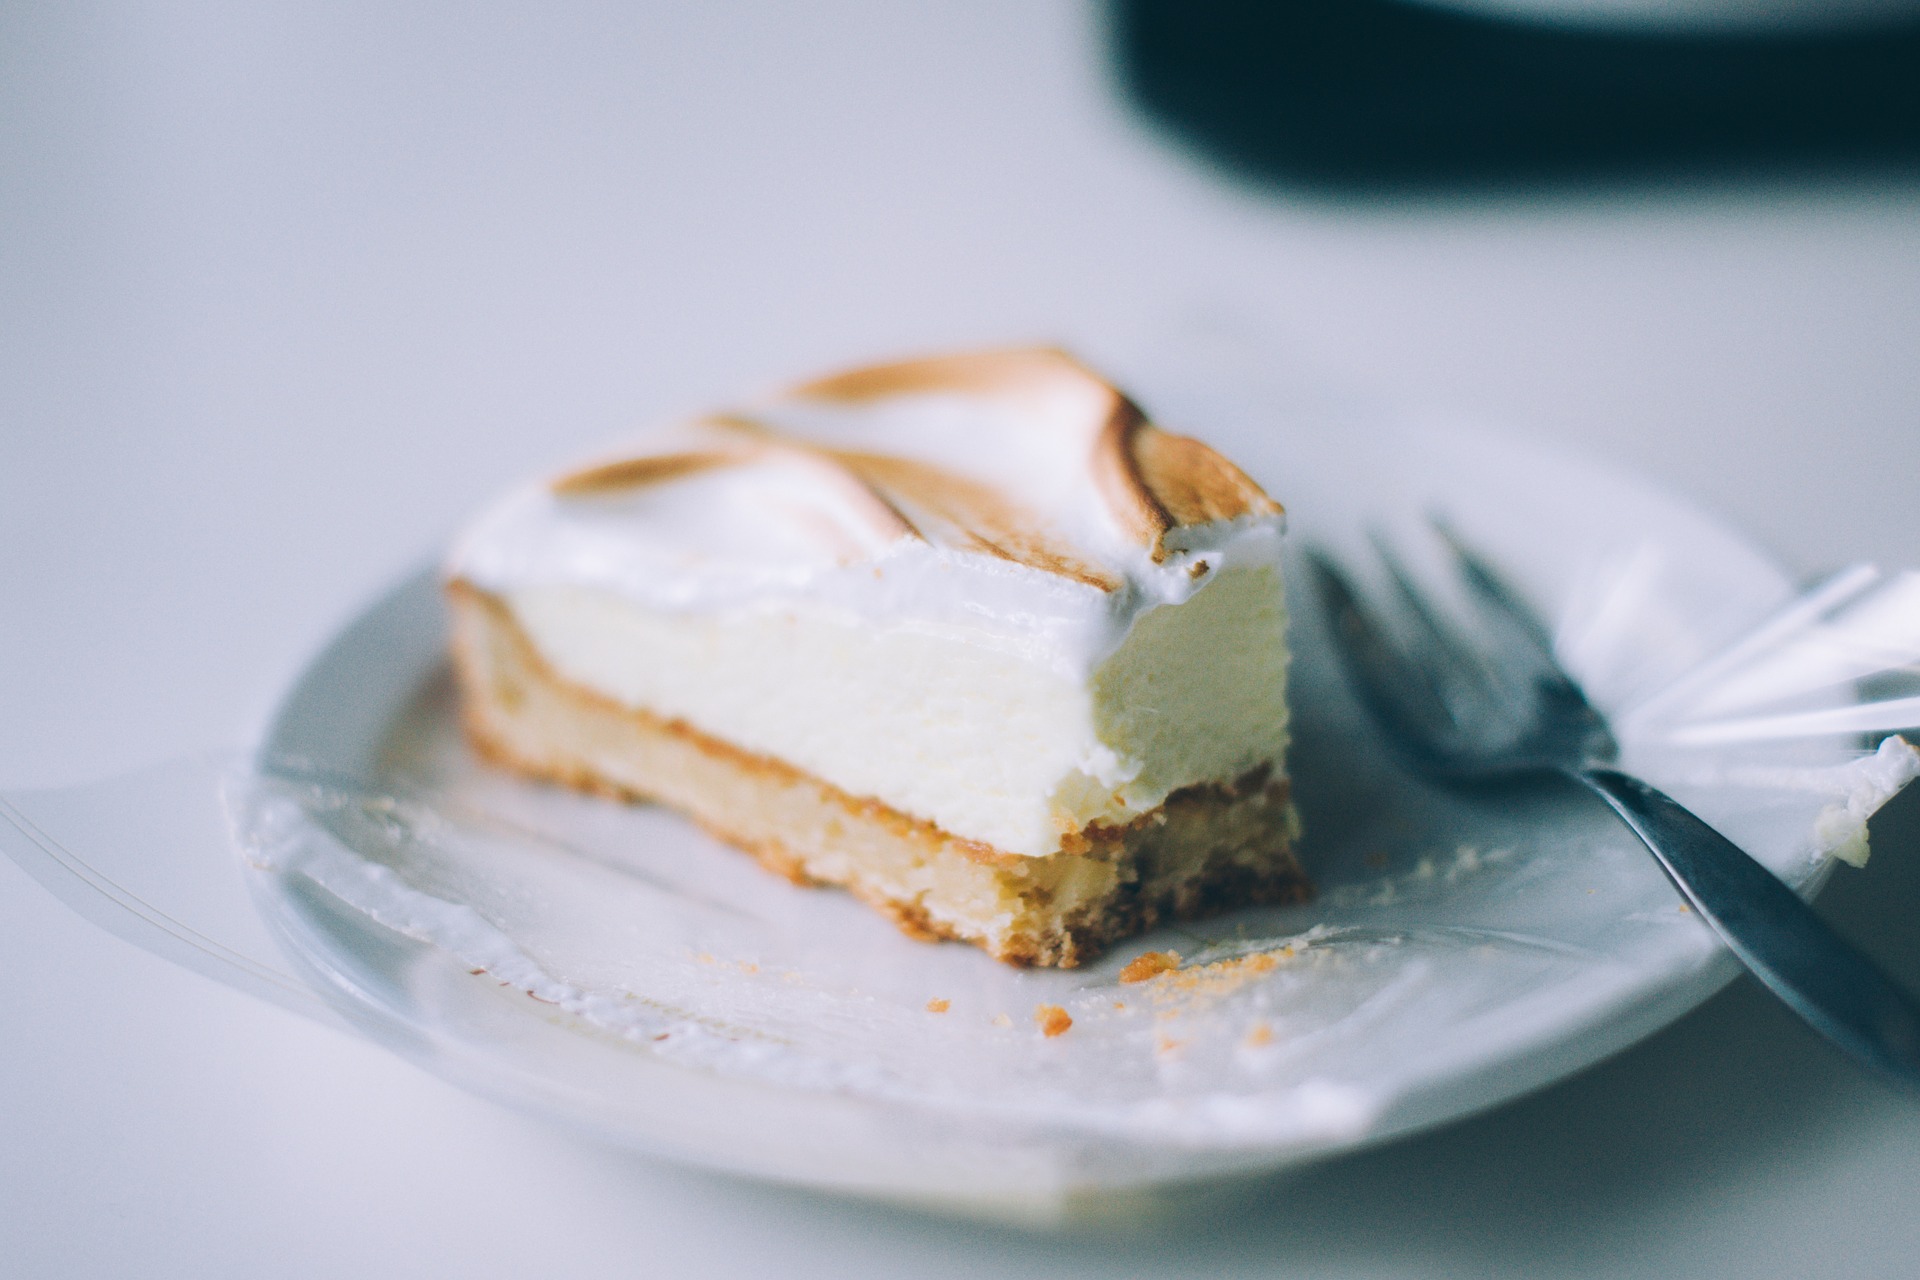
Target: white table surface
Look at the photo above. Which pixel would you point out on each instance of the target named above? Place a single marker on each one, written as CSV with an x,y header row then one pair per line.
x,y
286,289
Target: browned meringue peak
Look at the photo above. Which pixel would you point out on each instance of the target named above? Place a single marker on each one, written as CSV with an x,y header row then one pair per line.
x,y
631,473
958,511
1150,480
741,442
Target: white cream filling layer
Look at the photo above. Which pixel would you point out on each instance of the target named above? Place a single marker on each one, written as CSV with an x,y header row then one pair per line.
x,y
999,729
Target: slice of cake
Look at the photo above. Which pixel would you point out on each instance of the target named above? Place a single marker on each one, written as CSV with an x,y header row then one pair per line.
x,y
965,635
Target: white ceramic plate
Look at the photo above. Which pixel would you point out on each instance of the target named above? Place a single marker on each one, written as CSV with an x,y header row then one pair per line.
x,y
611,967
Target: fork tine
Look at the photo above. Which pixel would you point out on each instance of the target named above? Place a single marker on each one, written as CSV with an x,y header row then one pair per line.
x,y
1530,646
1501,601
1397,691
1459,663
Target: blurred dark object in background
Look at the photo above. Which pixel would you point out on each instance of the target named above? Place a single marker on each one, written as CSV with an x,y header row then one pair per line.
x,y
1380,95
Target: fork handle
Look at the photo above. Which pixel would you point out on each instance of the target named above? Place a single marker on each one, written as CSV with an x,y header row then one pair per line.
x,y
1820,975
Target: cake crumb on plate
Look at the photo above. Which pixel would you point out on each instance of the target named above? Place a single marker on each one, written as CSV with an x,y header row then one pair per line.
x,y
1149,964
1052,1020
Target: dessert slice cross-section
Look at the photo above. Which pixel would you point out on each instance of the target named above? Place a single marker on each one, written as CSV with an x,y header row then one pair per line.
x,y
967,636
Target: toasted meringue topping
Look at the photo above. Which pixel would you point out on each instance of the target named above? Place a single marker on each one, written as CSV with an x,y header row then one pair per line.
x,y
1014,491
1150,480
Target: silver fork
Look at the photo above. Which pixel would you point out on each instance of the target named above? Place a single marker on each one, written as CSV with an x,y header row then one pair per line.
x,y
1465,711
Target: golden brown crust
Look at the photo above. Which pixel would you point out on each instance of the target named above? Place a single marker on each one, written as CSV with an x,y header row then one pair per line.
x,y
1207,848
